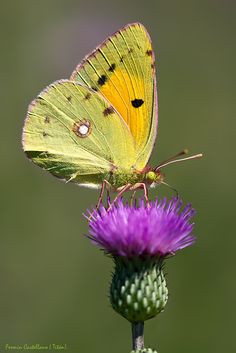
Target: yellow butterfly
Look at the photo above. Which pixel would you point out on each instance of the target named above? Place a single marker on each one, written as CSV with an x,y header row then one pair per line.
x,y
98,129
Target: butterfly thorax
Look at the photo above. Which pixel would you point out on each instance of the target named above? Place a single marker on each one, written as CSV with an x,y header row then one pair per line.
x,y
120,178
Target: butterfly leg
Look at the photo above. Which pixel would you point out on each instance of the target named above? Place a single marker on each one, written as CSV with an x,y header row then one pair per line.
x,y
120,193
145,190
107,185
108,197
132,198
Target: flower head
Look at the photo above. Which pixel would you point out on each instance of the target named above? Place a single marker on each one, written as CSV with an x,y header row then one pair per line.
x,y
160,229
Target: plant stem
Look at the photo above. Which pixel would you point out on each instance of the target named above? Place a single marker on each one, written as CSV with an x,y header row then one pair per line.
x,y
138,335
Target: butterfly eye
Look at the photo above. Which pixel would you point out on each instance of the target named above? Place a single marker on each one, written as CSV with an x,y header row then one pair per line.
x,y
82,128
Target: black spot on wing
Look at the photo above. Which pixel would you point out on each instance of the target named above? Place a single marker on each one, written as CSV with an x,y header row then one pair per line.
x,y
69,98
41,101
88,96
47,119
108,111
94,88
136,103
149,52
102,80
112,67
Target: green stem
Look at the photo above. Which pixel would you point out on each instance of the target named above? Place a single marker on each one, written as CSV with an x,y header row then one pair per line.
x,y
138,335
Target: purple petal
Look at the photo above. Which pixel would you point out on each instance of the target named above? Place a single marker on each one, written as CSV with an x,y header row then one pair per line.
x,y
158,230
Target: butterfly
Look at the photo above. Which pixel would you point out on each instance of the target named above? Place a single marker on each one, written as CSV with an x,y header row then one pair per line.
x,y
98,128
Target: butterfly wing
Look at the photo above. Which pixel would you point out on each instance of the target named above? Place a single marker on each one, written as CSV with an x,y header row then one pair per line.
x,y
122,70
75,134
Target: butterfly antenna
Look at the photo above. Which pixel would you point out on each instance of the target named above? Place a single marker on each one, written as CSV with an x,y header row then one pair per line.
x,y
171,187
181,153
164,164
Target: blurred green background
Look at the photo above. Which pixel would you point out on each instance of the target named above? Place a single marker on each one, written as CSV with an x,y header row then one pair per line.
x,y
54,283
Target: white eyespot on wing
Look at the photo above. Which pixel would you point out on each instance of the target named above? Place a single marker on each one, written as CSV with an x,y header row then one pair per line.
x,y
82,128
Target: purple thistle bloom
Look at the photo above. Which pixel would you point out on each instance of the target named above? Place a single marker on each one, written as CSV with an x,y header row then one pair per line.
x,y
158,230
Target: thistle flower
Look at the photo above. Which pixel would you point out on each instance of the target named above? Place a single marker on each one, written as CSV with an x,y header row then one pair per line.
x,y
139,238
158,230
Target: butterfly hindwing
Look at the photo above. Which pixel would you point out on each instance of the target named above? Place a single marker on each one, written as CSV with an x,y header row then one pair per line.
x,y
122,70
75,134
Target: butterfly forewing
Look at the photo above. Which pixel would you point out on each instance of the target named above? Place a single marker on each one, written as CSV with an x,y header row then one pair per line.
x,y
74,133
122,70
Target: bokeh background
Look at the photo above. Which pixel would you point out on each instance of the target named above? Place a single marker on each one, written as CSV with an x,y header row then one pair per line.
x,y
54,283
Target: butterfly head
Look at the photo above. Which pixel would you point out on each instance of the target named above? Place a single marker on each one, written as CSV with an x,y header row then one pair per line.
x,y
154,177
